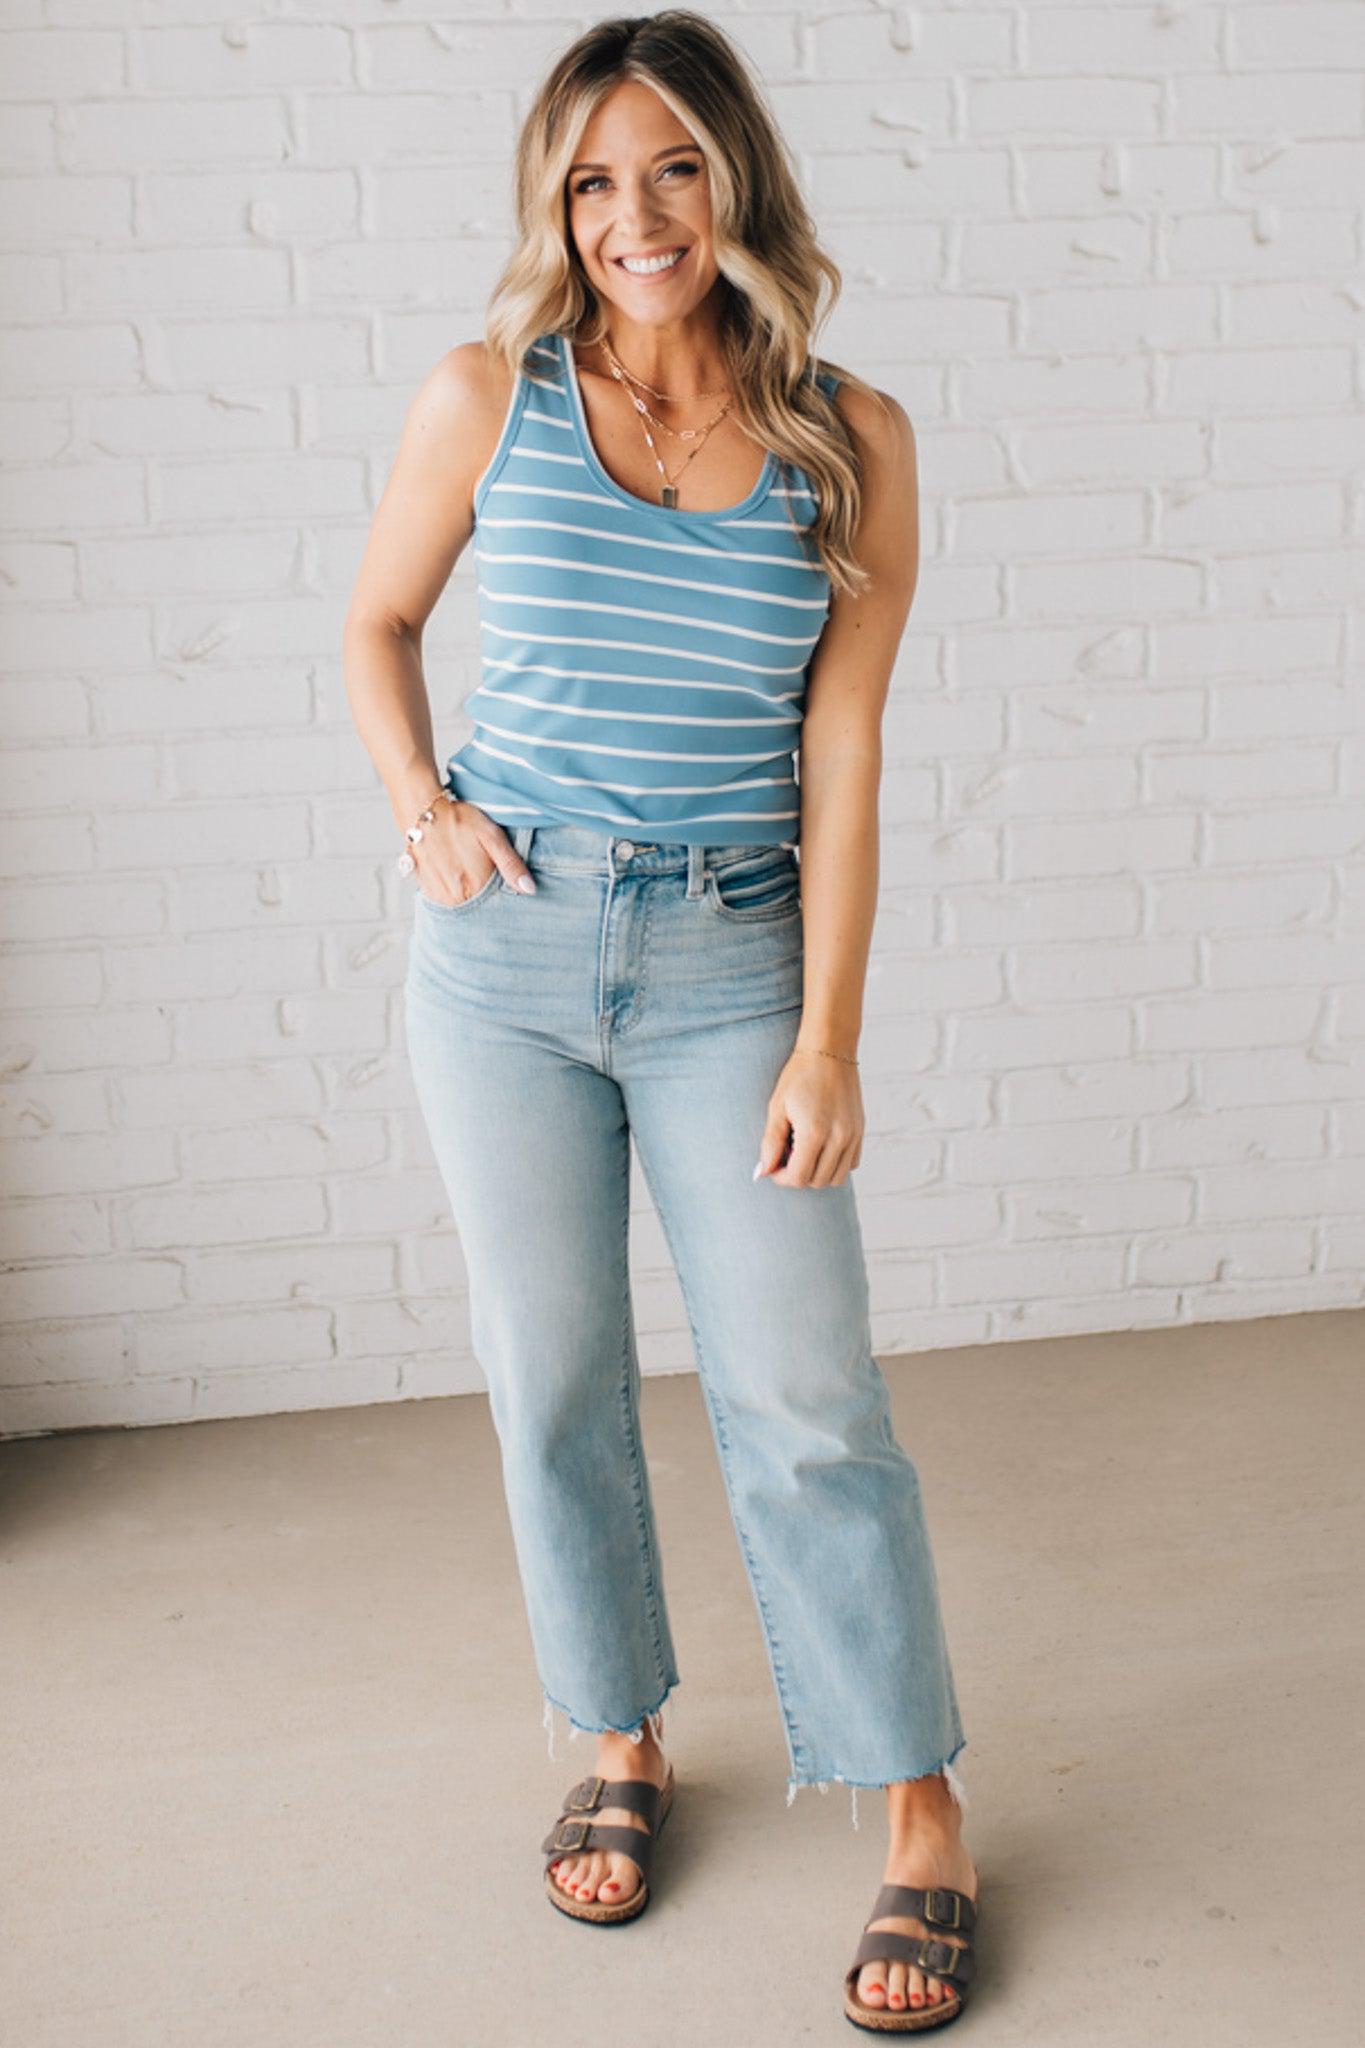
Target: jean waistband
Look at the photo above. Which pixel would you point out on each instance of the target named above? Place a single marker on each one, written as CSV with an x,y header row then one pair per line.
x,y
577,849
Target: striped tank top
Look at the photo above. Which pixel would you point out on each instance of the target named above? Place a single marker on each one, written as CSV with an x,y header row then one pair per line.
x,y
644,667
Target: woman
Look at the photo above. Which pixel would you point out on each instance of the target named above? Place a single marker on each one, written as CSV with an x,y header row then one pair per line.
x,y
696,551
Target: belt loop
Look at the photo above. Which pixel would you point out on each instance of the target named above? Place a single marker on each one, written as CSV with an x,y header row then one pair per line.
x,y
696,871
522,835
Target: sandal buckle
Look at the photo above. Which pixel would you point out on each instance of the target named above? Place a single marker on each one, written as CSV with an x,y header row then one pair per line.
x,y
564,1836
932,1896
931,1951
593,1788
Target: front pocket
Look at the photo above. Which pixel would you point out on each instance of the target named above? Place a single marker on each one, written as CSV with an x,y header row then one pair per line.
x,y
458,909
749,891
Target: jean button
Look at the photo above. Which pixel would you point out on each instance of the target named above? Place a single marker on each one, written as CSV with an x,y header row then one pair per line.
x,y
625,847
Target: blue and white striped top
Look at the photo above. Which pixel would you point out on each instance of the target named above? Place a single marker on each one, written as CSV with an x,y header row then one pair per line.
x,y
644,667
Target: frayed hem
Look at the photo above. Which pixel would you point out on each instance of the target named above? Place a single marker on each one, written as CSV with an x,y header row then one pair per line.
x,y
651,1720
945,1770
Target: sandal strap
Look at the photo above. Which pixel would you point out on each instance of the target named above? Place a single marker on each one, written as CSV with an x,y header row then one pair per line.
x,y
574,1832
937,1958
935,1904
636,1795
573,1837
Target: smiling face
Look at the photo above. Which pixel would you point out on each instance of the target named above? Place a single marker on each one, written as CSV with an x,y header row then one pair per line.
x,y
639,189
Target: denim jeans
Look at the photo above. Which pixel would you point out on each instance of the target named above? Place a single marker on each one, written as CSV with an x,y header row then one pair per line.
x,y
655,990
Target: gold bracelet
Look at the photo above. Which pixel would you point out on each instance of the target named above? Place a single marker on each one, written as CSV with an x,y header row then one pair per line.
x,y
416,831
826,1055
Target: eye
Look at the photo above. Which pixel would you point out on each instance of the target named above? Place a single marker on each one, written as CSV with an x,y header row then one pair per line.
x,y
688,168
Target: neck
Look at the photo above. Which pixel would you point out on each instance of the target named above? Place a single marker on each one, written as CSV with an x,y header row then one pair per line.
x,y
683,358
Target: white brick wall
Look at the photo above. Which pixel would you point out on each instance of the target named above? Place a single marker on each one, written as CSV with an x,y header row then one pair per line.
x,y
1110,259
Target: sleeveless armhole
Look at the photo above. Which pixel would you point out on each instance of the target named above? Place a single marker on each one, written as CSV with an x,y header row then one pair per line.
x,y
516,405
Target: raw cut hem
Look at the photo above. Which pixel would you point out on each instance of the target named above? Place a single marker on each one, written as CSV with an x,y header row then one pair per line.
x,y
855,1785
635,1733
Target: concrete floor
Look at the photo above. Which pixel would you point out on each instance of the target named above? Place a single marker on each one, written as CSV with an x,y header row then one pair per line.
x,y
275,1772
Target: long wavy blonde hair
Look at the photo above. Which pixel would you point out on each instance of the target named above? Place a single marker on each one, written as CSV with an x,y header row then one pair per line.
x,y
772,269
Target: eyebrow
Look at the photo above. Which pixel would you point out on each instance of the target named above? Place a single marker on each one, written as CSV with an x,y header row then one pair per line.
x,y
673,150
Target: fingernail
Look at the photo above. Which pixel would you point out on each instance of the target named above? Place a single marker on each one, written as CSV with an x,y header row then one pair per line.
x,y
526,885
757,1170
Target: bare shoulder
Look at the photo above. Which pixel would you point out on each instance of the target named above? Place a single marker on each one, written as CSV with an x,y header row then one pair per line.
x,y
458,412
470,375
887,540
880,426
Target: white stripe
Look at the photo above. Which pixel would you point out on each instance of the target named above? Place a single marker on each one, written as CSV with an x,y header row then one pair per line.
x,y
638,647
606,675
640,788
659,825
543,455
599,498
631,717
636,611
633,540
804,604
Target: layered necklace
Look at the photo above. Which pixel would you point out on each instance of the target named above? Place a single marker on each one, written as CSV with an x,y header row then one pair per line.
x,y
668,494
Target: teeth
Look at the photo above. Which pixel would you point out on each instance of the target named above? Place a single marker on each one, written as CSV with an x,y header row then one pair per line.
x,y
643,266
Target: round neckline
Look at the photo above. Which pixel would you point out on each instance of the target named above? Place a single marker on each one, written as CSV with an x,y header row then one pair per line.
x,y
608,482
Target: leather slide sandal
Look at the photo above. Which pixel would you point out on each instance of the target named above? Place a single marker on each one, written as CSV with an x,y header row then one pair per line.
x,y
573,1834
950,1961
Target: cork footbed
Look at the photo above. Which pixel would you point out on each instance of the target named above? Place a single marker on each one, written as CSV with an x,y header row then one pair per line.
x,y
596,1909
884,2020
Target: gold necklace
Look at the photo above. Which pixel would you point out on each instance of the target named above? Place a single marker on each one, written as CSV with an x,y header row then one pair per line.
x,y
666,396
621,373
668,494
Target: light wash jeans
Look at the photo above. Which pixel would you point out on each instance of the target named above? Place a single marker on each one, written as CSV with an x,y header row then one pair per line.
x,y
655,990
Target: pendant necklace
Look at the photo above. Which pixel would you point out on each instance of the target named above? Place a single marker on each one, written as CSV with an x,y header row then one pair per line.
x,y
668,494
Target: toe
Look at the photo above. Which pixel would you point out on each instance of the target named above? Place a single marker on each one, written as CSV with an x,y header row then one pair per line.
x,y
871,1985
914,1985
621,1880
895,1986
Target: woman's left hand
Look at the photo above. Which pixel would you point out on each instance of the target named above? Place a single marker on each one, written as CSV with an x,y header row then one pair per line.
x,y
814,1134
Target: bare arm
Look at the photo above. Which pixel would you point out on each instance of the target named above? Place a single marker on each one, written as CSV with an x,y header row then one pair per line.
x,y
421,526
841,763
841,747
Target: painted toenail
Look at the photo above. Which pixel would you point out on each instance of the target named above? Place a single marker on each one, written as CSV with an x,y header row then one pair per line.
x,y
611,1887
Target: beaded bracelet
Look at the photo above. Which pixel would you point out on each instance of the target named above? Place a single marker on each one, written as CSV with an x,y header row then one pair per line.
x,y
417,830
826,1055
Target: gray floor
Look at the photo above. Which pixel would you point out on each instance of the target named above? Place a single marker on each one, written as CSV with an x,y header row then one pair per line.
x,y
275,1772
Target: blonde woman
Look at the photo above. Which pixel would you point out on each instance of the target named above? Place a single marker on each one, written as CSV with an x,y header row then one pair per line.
x,y
696,548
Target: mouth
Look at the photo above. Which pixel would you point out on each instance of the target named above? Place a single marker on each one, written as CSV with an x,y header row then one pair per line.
x,y
653,266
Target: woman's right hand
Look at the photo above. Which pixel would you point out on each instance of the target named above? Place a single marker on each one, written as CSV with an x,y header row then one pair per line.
x,y
458,852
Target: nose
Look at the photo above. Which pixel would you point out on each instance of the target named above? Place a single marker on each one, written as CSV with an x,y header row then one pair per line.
x,y
640,208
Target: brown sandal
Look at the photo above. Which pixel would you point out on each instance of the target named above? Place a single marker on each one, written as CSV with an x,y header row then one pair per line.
x,y
572,1834
952,1961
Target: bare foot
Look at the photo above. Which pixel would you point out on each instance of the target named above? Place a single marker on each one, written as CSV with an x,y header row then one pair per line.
x,y
926,1849
606,1874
